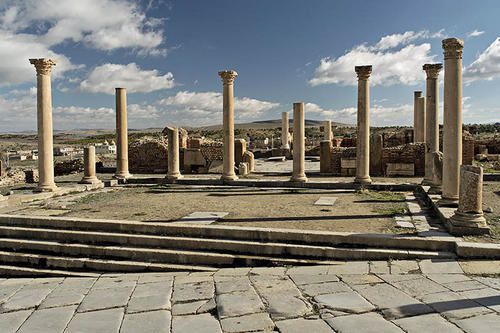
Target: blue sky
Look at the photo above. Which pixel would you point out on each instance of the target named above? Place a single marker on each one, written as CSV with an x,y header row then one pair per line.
x,y
167,54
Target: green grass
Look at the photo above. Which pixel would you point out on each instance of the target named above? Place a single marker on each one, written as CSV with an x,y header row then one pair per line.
x,y
382,196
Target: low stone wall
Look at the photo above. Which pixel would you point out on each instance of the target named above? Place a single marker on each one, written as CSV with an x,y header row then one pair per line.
x,y
148,156
67,167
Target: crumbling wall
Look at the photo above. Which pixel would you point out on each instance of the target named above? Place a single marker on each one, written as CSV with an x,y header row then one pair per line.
x,y
67,167
149,155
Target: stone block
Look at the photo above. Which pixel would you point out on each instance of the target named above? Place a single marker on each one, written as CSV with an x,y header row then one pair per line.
x,y
400,169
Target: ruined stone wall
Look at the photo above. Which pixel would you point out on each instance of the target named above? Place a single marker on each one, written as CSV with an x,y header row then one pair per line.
x,y
412,153
149,155
67,167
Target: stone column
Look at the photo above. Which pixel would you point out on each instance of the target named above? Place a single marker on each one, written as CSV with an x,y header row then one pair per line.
x,y
431,120
284,131
363,131
469,219
417,117
228,124
452,122
299,144
122,135
327,128
173,153
44,119
89,173
421,119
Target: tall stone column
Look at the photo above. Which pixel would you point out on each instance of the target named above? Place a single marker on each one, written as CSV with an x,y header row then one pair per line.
x,y
299,144
173,153
122,135
284,131
418,116
89,173
327,127
452,122
46,181
431,120
363,130
228,124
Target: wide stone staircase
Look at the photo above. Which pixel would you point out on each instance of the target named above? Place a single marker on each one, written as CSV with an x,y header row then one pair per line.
x,y
65,246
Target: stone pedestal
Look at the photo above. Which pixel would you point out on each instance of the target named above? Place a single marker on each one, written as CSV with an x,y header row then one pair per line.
x,y
363,129
299,144
44,119
173,172
431,120
228,77
437,173
327,128
325,157
89,173
418,117
468,218
122,135
240,148
285,144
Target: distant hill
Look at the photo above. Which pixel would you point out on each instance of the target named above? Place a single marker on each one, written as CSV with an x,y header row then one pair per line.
x,y
267,124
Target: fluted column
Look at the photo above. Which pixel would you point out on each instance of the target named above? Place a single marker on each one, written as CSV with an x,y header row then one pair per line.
x,y
173,153
89,172
363,129
122,135
228,124
299,144
431,122
452,123
44,119
284,131
327,128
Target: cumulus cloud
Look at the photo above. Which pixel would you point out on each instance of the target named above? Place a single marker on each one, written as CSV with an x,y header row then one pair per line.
x,y
105,78
101,24
203,108
395,60
486,66
475,33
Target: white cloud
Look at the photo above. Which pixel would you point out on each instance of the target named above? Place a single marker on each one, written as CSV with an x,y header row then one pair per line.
x,y
394,59
486,66
101,24
203,108
105,78
475,33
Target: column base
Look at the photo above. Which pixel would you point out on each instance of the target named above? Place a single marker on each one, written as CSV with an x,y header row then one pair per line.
x,y
174,176
462,224
46,188
228,178
426,182
90,180
124,175
447,202
363,180
299,179
435,189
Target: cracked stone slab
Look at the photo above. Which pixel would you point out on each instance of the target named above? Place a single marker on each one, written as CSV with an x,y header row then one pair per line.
x,y
349,267
324,288
453,306
98,299
353,279
52,320
427,323
301,279
436,266
196,323
247,323
153,321
480,324
238,303
325,201
379,267
493,282
108,320
404,267
150,296
464,285
184,292
62,298
11,321
233,284
30,296
286,306
367,323
301,325
115,282
488,297
419,286
448,278
194,307
350,302
202,217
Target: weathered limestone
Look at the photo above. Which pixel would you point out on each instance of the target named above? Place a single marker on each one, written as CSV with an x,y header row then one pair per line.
x,y
44,119
327,128
418,117
89,174
452,123
228,124
363,132
431,120
437,173
468,218
173,172
122,136
299,144
325,156
285,144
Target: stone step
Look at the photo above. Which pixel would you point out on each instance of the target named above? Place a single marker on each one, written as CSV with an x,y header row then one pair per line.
x,y
19,271
280,250
288,236
43,261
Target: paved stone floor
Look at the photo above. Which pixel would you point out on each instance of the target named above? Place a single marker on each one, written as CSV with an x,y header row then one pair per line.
x,y
398,296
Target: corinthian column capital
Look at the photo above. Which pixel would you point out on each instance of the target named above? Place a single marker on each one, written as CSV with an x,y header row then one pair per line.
x,y
432,70
363,72
43,65
228,76
453,48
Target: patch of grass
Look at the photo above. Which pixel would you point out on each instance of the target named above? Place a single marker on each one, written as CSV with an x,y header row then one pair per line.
x,y
382,196
391,209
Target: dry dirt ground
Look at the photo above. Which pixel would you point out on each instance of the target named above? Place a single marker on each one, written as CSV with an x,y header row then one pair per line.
x,y
491,205
276,208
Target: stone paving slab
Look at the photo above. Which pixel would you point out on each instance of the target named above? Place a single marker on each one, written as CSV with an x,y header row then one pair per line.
x,y
359,296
